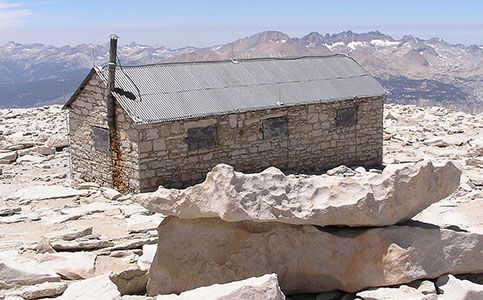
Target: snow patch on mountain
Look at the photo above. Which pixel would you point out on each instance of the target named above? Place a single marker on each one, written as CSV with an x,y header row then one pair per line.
x,y
354,45
383,43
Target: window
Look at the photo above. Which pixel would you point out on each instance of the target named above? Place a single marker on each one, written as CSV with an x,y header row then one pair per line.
x,y
346,116
273,128
201,137
101,138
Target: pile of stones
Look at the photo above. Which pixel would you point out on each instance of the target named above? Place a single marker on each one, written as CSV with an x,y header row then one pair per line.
x,y
346,232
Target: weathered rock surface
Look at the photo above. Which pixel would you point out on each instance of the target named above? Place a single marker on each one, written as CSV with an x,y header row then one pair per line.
x,y
397,194
131,282
264,287
403,292
70,235
142,223
42,192
12,272
456,289
95,288
8,211
146,259
44,246
43,290
73,266
8,157
199,252
127,224
110,194
81,245
426,287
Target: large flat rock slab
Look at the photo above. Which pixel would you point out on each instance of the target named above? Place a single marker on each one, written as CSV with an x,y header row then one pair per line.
x,y
70,265
95,288
16,272
371,199
200,252
44,192
38,192
264,287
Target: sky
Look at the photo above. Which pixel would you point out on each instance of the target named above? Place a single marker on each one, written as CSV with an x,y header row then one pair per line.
x,y
179,23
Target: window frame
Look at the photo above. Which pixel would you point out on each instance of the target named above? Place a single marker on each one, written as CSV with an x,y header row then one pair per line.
x,y
101,138
194,133
267,131
342,116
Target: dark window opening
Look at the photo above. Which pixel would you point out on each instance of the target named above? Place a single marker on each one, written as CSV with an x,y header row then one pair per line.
x,y
201,137
101,138
273,128
346,116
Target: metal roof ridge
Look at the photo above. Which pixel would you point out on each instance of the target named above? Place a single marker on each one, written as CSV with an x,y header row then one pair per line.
x,y
239,60
258,84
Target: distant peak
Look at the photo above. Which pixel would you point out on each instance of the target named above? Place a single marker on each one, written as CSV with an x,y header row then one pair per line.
x,y
408,38
12,43
273,35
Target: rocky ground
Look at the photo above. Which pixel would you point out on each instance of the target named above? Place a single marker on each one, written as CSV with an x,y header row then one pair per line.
x,y
58,239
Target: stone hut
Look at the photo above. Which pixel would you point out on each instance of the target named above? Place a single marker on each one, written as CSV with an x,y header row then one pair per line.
x,y
172,122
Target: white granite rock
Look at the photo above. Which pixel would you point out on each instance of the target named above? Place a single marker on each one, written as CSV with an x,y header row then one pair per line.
x,y
142,223
43,192
403,292
95,288
255,288
307,258
70,265
8,211
130,282
8,157
70,234
456,289
397,194
43,246
24,273
88,185
110,194
427,287
81,244
43,290
145,261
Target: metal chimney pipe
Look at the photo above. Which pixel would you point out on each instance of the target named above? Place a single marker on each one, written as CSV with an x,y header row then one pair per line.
x,y
110,83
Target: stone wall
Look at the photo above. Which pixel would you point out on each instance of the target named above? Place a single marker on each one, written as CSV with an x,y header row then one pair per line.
x,y
88,163
313,142
129,151
157,154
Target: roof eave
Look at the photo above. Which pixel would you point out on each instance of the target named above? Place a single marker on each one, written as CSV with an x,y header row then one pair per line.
x,y
140,121
80,88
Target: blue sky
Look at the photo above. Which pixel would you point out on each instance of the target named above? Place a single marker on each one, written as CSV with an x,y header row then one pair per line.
x,y
205,23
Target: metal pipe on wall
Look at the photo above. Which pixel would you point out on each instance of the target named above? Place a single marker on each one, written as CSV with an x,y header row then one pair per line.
x,y
110,84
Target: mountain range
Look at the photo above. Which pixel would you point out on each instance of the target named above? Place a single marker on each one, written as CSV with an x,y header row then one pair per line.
x,y
413,70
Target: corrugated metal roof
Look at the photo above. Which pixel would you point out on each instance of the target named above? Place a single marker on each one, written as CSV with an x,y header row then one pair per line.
x,y
172,91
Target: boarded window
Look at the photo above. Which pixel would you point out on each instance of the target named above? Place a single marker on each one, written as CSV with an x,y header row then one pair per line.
x,y
101,138
274,128
346,116
201,137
